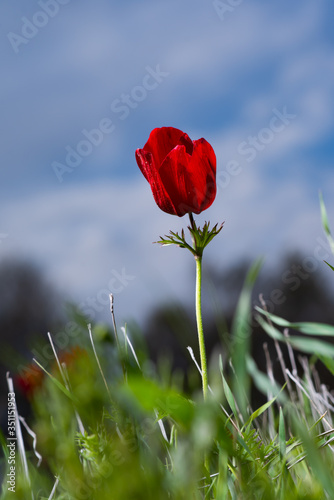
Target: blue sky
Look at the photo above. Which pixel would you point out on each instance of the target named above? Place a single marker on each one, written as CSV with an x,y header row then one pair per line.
x,y
225,71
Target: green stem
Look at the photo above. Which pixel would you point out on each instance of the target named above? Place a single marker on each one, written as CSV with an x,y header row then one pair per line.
x,y
198,251
200,326
201,346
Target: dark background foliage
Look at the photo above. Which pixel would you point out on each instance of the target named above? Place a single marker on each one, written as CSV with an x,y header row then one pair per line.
x,y
30,307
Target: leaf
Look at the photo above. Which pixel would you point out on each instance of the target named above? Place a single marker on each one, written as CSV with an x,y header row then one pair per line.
x,y
315,459
262,381
332,268
202,237
325,223
241,331
328,362
311,346
57,383
281,435
175,239
150,397
227,391
308,328
222,485
258,412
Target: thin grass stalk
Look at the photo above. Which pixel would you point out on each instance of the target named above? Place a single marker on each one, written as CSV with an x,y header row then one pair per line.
x,y
120,353
97,359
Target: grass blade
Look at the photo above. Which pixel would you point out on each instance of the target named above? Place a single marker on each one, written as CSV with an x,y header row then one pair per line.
x,y
241,331
309,328
325,223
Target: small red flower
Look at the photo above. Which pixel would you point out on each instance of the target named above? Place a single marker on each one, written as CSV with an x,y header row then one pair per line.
x,y
30,380
33,377
181,172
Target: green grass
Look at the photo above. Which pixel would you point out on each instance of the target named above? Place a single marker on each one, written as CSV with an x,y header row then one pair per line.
x,y
107,434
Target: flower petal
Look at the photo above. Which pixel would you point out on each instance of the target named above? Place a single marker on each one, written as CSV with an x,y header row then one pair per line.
x,y
162,140
202,169
148,168
190,180
177,181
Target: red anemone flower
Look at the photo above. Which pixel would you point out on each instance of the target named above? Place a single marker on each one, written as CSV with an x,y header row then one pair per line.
x,y
181,172
32,377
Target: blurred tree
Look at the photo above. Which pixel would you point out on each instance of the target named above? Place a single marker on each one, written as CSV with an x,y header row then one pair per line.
x,y
29,308
170,330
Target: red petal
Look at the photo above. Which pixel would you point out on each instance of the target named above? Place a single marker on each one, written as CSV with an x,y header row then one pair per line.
x,y
187,142
202,169
190,181
147,165
175,176
162,141
145,162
